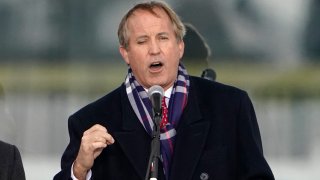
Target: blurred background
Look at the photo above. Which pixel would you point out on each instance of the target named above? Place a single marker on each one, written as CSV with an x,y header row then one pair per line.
x,y
57,56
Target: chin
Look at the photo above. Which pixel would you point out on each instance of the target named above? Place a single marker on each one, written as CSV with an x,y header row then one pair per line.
x,y
156,81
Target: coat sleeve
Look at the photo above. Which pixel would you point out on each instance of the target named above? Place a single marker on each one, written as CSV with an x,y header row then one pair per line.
x,y
252,164
18,171
70,154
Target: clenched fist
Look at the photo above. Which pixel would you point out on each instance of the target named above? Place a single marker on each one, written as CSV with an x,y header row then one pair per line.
x,y
93,141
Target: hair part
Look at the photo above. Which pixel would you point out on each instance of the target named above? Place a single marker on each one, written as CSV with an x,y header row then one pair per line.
x,y
123,30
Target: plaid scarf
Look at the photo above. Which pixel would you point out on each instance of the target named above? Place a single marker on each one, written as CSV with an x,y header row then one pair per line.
x,y
142,107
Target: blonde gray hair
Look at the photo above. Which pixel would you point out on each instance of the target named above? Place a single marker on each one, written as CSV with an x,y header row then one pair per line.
x,y
123,31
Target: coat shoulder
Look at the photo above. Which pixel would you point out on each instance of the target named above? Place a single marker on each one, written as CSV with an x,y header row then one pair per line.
x,y
108,101
213,88
6,150
11,166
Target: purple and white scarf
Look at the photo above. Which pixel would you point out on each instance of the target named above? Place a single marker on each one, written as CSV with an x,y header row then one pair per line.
x,y
142,107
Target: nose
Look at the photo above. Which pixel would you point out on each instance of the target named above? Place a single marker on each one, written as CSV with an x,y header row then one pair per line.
x,y
154,47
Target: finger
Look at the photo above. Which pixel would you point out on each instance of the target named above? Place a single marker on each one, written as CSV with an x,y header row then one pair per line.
x,y
97,152
98,145
109,139
103,137
96,127
95,149
98,136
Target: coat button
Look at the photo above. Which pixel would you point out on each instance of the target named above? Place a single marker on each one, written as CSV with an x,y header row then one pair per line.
x,y
204,176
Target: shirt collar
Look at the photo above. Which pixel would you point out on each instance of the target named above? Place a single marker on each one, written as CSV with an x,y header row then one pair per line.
x,y
168,92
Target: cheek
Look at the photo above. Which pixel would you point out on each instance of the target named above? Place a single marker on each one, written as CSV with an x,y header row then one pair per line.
x,y
177,51
136,55
137,66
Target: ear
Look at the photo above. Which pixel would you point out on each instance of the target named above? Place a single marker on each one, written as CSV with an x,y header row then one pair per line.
x,y
124,54
181,48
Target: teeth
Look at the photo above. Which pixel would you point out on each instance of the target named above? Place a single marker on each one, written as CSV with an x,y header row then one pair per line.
x,y
156,64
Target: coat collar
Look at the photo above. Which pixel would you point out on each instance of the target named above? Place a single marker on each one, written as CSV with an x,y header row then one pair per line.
x,y
132,138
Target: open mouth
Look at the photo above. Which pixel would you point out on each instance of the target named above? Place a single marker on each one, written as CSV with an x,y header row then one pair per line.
x,y
156,65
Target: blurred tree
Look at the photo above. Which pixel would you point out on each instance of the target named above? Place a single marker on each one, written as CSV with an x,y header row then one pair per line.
x,y
5,16
312,32
7,124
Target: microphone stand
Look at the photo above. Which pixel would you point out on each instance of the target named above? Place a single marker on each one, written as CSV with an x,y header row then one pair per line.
x,y
152,169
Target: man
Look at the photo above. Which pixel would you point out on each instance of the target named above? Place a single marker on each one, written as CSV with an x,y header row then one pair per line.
x,y
211,131
11,167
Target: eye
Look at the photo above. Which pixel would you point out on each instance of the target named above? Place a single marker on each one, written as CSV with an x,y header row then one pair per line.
x,y
163,38
141,42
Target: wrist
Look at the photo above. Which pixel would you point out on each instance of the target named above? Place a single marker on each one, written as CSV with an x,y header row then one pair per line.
x,y
79,171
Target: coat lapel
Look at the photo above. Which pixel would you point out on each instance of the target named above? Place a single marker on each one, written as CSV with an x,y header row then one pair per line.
x,y
133,139
191,137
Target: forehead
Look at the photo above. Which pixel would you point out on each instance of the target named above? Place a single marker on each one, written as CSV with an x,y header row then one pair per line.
x,y
141,19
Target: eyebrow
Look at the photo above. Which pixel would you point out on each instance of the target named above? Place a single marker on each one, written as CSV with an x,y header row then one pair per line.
x,y
142,37
146,36
162,33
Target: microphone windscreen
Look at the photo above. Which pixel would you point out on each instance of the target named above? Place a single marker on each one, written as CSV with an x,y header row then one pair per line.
x,y
155,94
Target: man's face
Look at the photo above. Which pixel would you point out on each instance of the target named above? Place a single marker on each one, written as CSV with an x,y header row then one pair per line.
x,y
153,52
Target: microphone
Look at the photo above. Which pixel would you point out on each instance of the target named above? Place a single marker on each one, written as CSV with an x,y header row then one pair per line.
x,y
155,94
209,74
